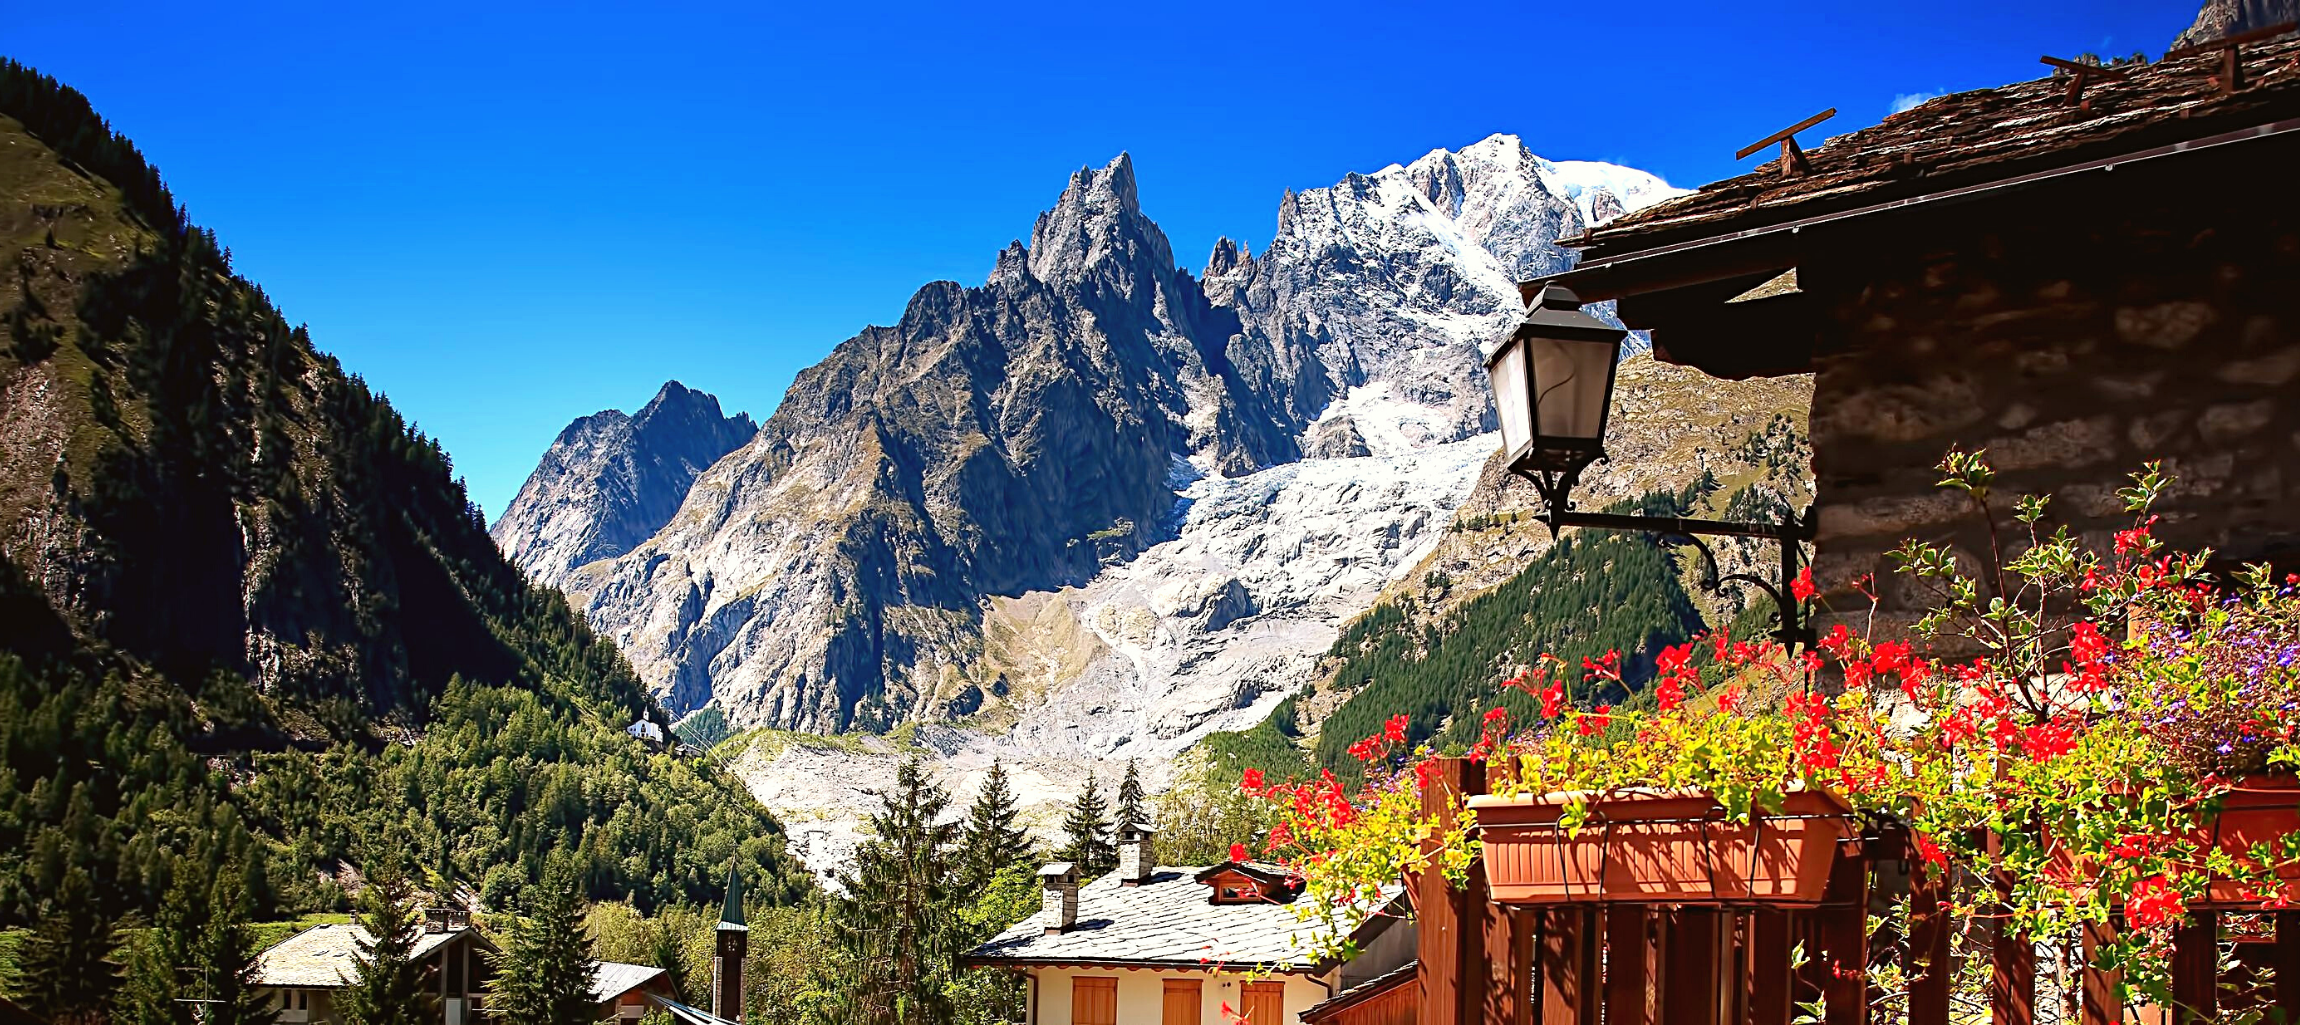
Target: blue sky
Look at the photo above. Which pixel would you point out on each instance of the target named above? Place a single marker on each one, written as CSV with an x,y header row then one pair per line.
x,y
510,217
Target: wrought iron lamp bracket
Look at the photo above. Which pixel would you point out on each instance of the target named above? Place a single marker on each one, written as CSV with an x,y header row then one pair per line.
x,y
1555,486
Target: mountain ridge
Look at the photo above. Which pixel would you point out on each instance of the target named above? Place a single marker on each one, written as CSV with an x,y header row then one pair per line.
x,y
249,618
611,480
1027,432
1097,507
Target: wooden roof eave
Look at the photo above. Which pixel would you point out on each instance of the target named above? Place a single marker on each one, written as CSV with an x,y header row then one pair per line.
x,y
1137,964
1363,992
1775,246
1705,327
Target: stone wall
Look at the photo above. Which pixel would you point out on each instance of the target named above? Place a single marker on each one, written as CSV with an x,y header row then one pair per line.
x,y
2078,336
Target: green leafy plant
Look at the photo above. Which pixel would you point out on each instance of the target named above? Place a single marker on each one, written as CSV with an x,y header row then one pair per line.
x,y
2069,720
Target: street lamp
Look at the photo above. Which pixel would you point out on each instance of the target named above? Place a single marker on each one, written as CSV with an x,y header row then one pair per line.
x,y
1552,384
1552,387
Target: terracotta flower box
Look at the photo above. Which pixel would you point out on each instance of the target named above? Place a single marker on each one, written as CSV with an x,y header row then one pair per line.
x,y
2259,809
1659,847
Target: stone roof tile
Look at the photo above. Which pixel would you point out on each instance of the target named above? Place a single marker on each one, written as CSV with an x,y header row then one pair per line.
x,y
1169,919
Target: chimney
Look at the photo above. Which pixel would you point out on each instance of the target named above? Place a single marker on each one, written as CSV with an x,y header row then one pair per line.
x,y
1136,859
734,941
439,920
1061,882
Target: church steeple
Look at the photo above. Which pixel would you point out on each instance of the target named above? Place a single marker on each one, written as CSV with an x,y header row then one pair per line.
x,y
732,913
734,942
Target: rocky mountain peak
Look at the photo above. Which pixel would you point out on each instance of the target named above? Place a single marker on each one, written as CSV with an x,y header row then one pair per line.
x,y
611,480
679,410
1098,219
1047,428
1228,256
1013,264
2222,18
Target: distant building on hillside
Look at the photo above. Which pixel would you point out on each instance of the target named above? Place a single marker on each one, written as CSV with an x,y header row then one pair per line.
x,y
1151,945
647,730
627,992
301,976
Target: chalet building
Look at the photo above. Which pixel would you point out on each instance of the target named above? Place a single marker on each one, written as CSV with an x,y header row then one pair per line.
x,y
2077,274
1158,945
629,992
302,975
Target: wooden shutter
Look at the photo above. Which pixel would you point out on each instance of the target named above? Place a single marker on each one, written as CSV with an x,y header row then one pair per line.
x,y
1182,1002
1093,1001
1266,1003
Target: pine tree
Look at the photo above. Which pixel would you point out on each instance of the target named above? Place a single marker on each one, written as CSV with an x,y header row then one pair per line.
x,y
388,986
155,964
228,951
543,977
64,972
1088,827
1130,809
896,923
993,839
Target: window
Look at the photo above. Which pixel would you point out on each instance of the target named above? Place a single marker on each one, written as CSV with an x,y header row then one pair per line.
x,y
1231,888
1093,1001
1266,1003
1183,1003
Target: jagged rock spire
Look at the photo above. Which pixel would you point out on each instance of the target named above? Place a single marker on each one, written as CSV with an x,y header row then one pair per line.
x,y
1098,217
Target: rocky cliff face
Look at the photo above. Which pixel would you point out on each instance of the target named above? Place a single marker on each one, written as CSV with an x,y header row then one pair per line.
x,y
2221,18
611,480
1096,507
1388,285
1001,438
1025,435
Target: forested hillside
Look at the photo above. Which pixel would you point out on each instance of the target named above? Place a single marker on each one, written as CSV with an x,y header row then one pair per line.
x,y
249,619
1593,592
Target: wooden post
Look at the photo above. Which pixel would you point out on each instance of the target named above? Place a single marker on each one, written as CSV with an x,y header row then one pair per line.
x,y
1768,975
1562,957
2288,964
2012,956
1929,932
2195,968
1844,935
1507,996
1628,968
1450,922
1590,971
2101,1004
1690,948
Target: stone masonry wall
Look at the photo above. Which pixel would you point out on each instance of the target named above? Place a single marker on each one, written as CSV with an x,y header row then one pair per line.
x,y
2073,343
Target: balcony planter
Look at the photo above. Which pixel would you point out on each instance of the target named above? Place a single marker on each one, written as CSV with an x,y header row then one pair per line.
x,y
2257,809
2260,809
1659,847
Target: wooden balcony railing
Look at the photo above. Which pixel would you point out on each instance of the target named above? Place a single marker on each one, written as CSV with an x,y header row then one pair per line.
x,y
1485,962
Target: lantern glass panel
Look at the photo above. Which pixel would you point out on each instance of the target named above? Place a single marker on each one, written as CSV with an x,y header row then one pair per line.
x,y
1569,379
1511,399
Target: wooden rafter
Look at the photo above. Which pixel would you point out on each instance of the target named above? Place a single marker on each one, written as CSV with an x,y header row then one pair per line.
x,y
2081,75
1792,155
2231,75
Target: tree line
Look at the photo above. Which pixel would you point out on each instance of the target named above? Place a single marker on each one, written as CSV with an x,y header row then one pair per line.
x,y
1590,593
288,633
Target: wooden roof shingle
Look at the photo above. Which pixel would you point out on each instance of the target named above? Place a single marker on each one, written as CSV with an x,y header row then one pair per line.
x,y
1975,137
